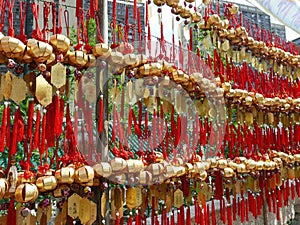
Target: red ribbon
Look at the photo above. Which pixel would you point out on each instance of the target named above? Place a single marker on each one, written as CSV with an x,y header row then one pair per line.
x,y
3,128
10,5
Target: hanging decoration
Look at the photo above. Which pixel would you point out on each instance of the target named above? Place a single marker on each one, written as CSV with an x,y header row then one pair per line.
x,y
188,139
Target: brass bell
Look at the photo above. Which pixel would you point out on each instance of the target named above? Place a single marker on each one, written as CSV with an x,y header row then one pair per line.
x,y
84,174
46,183
26,193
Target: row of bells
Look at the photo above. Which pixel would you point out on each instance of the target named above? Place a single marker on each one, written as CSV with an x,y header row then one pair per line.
x,y
27,190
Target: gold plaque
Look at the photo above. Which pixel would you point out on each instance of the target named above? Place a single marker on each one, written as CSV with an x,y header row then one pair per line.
x,y
73,205
178,198
58,75
43,91
131,198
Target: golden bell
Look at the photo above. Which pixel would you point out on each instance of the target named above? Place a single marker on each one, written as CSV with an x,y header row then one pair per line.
x,y
91,60
46,183
41,51
65,175
78,58
3,187
125,48
118,164
26,193
52,60
172,3
228,172
185,14
155,169
203,176
169,171
234,9
102,169
145,177
134,165
196,17
102,51
84,174
159,2
231,34
177,10
60,43
5,44
222,163
117,58
213,162
214,19
130,59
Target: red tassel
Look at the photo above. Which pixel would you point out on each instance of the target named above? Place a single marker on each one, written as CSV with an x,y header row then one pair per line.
x,y
100,117
207,215
293,191
234,208
36,141
243,209
11,215
8,133
213,213
3,128
229,215
43,136
13,147
247,209
130,111
188,216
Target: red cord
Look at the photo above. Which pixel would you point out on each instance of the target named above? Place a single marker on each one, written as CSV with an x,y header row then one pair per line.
x,y
10,5
23,8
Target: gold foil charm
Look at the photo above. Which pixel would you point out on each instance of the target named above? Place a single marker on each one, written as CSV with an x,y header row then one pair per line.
x,y
58,75
178,198
131,198
43,91
73,205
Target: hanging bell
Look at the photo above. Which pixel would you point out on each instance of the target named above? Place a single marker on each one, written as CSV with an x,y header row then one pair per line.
x,y
26,193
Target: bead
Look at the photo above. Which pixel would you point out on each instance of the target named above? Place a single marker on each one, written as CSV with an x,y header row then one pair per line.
x,y
11,64
42,67
25,212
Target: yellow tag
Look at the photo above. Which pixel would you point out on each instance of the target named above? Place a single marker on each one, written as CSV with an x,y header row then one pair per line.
x,y
90,92
103,204
139,196
18,89
73,205
58,75
8,85
118,198
84,210
43,91
178,198
93,212
3,220
131,198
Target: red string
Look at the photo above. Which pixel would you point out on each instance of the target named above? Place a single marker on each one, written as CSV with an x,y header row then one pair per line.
x,y
36,142
99,36
13,147
11,215
43,137
36,33
67,22
46,19
3,129
92,9
23,8
10,5
3,13
134,10
100,118
54,18
78,8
